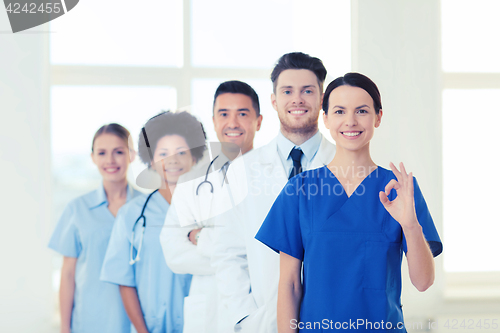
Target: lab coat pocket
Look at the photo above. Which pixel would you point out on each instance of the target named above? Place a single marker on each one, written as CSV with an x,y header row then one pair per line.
x,y
195,311
259,320
377,274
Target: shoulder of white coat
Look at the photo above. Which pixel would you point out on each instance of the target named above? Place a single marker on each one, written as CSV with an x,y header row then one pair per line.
x,y
326,150
262,155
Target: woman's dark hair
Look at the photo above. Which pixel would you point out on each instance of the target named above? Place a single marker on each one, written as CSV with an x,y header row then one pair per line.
x,y
170,123
354,80
115,129
238,87
299,60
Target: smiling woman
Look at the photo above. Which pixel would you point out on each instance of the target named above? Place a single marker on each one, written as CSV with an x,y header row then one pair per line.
x,y
352,248
356,114
170,144
112,154
82,235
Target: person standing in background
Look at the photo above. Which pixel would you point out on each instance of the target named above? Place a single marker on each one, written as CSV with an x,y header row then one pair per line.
x,y
82,235
188,235
170,144
247,271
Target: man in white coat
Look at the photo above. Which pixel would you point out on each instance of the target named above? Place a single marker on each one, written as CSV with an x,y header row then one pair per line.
x,y
187,237
247,271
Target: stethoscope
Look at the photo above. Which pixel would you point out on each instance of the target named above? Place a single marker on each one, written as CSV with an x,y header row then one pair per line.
x,y
206,181
142,216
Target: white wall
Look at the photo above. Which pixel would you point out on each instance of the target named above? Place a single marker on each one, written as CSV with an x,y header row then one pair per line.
x,y
397,44
26,297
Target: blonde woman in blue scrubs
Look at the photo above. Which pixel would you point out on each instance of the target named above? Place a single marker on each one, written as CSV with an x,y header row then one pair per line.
x,y
82,234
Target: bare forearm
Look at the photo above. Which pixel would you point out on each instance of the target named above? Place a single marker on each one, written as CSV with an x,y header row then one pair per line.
x,y
419,256
289,293
289,297
67,292
66,299
133,308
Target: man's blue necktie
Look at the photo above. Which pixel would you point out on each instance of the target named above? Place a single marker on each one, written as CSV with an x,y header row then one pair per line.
x,y
296,155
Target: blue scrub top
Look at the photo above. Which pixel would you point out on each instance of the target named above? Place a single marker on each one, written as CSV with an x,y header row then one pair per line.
x,y
161,292
83,232
351,249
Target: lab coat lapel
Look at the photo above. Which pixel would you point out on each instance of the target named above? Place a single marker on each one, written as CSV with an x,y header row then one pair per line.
x,y
272,167
324,155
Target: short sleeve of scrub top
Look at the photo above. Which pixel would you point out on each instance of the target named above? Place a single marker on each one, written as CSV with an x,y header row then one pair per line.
x,y
161,292
83,232
66,238
281,229
315,221
425,219
116,268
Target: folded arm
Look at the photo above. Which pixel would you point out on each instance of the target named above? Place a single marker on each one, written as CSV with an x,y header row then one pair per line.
x,y
180,253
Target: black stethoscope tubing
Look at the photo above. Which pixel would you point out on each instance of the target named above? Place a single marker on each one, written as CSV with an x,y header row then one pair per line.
x,y
206,178
142,216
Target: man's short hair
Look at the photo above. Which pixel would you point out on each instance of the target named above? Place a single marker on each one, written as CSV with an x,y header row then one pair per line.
x,y
299,60
238,87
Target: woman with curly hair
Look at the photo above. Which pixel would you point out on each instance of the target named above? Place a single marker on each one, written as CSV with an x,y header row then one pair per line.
x,y
170,144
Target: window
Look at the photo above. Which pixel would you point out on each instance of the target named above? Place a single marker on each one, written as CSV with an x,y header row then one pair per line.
x,y
127,67
119,33
471,89
124,61
471,86
470,185
469,38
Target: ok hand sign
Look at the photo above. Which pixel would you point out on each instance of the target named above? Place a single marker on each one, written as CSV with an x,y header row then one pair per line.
x,y
402,209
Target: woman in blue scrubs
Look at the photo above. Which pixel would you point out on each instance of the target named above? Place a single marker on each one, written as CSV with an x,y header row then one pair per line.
x,y
82,234
348,224
170,143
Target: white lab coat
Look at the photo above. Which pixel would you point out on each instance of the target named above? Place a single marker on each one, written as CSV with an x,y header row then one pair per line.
x,y
247,271
189,211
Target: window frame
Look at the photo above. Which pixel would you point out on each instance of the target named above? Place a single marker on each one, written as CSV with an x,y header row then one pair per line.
x,y
464,287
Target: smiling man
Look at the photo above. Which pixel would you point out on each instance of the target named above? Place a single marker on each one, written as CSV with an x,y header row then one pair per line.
x,y
236,115
188,235
247,271
297,98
